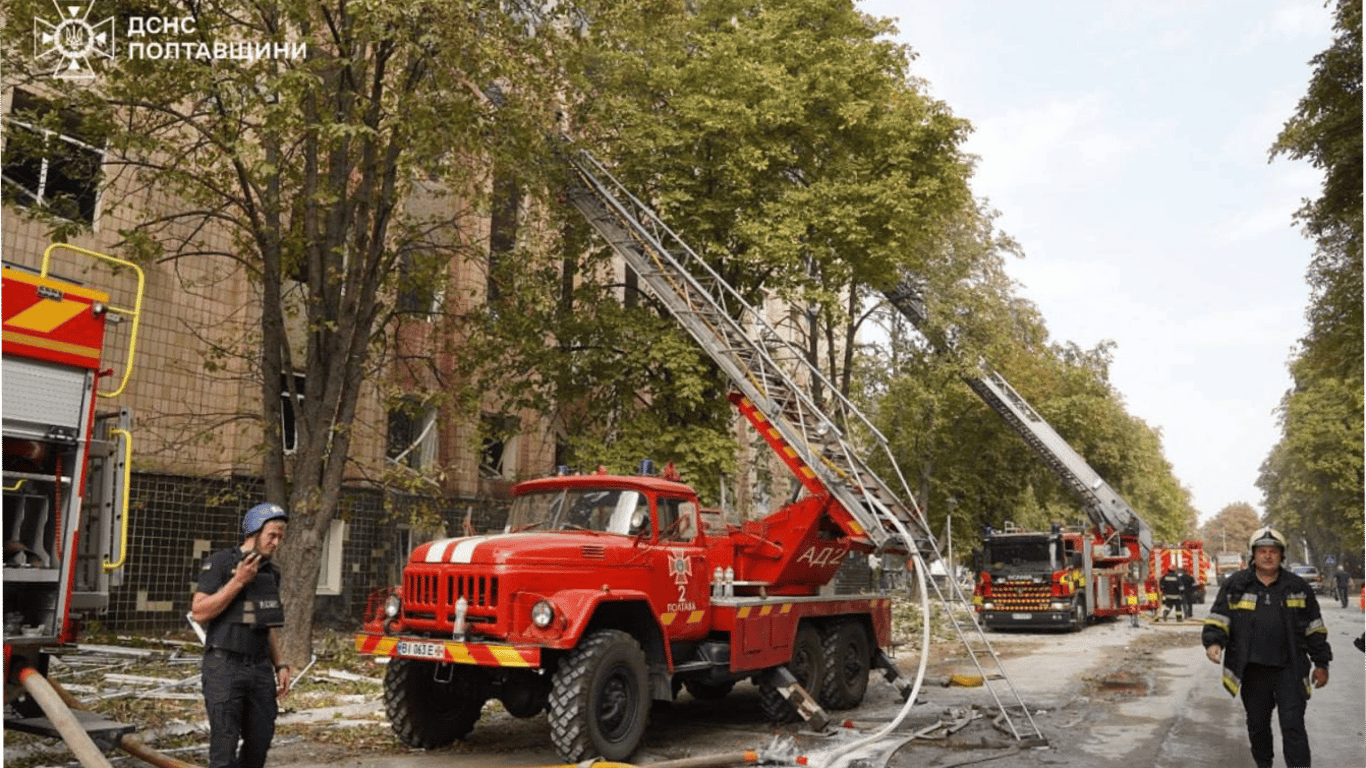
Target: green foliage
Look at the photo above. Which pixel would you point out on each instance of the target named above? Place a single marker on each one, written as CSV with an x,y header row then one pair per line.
x,y
1326,129
785,141
787,144
1313,478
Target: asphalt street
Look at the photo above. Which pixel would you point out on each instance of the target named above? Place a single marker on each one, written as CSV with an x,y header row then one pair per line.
x,y
1189,720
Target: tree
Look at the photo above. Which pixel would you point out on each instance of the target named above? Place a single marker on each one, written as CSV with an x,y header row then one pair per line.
x,y
1326,129
784,142
307,161
1231,528
1313,477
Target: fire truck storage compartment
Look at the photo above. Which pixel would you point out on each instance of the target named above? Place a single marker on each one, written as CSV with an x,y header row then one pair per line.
x,y
43,400
45,408
31,575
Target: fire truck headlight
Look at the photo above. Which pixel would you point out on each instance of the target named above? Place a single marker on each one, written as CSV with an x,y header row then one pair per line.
x,y
392,604
542,613
987,606
1061,606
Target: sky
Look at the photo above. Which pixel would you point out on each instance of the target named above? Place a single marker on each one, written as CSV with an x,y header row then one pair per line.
x,y
1126,146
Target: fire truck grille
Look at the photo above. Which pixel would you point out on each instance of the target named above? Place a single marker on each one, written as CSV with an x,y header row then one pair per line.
x,y
430,592
1008,596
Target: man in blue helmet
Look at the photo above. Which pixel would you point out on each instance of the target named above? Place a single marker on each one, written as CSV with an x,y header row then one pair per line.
x,y
1267,626
237,600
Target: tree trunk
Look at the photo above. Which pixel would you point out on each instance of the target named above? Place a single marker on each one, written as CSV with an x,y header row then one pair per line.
x,y
300,556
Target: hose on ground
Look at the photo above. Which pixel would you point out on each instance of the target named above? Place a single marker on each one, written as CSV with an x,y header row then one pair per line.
x,y
59,714
129,742
920,568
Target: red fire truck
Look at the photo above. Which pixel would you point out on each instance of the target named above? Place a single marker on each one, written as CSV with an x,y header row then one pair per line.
x,y
605,592
1189,556
66,465
1059,580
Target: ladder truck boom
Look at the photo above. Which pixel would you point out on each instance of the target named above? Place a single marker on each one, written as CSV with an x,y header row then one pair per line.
x,y
1103,504
767,371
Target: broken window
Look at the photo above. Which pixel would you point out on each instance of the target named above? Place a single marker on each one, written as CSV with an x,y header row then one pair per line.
x,y
412,438
52,159
496,454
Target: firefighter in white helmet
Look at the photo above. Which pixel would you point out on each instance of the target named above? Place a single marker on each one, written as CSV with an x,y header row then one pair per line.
x,y
1267,625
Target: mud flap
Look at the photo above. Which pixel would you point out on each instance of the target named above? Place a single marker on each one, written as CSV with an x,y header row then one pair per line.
x,y
810,712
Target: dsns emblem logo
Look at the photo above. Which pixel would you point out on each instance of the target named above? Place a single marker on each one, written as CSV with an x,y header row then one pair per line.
x,y
71,42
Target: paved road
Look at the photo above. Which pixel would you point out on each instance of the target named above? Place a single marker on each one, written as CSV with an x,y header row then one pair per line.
x,y
1188,720
1079,688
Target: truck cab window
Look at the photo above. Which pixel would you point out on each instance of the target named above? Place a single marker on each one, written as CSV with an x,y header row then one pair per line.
x,y
677,520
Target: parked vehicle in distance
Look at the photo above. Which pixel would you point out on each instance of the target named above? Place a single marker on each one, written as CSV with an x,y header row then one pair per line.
x,y
1228,562
1310,574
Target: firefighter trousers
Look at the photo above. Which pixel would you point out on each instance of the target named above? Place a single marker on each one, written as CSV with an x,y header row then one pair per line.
x,y
1279,688
239,694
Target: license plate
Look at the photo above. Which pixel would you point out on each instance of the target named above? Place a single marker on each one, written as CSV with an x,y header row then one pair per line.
x,y
1021,616
411,648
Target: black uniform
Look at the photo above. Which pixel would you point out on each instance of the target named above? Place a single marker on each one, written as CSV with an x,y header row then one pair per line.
x,y
1270,634
1341,581
238,673
1188,592
1172,595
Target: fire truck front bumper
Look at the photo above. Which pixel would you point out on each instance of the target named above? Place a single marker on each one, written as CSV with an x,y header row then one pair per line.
x,y
448,651
1050,619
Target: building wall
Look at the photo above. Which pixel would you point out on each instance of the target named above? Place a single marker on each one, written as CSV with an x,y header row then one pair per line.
x,y
177,520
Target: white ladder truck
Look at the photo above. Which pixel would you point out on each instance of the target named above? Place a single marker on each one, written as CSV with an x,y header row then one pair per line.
x,y
1059,578
774,380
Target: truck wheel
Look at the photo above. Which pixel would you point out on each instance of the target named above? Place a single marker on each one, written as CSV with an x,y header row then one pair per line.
x,y
424,712
1078,616
600,699
844,650
807,665
708,691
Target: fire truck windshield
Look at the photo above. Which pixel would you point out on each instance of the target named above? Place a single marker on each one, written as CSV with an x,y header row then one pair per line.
x,y
1022,556
604,510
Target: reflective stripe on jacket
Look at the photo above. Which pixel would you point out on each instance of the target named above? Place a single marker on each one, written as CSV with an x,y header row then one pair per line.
x,y
1230,625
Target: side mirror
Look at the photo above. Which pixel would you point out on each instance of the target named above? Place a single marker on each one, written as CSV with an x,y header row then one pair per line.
x,y
640,523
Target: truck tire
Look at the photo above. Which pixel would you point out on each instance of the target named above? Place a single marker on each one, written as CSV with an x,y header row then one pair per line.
x,y
807,665
845,653
600,698
1078,616
425,713
708,691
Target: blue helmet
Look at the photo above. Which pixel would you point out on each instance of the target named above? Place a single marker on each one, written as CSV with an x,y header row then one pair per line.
x,y
257,517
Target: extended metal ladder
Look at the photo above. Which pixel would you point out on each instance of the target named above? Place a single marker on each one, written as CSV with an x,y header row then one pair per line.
x,y
775,380
1103,504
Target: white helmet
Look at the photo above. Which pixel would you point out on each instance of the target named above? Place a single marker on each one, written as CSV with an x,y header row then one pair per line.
x,y
1266,537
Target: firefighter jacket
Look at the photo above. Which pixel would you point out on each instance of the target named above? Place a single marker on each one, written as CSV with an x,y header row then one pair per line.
x,y
1231,619
1171,584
